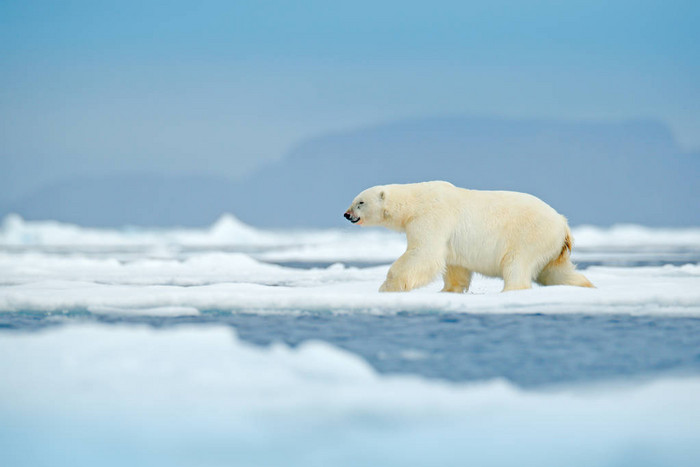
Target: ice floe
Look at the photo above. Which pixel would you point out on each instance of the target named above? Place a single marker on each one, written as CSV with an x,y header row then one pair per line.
x,y
82,395
227,267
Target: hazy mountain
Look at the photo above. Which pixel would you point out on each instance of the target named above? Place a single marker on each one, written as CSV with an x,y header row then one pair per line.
x,y
600,173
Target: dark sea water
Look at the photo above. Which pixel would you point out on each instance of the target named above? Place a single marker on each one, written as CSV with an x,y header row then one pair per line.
x,y
528,350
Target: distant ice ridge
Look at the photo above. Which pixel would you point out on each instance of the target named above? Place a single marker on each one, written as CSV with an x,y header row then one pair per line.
x,y
227,233
228,230
629,235
200,396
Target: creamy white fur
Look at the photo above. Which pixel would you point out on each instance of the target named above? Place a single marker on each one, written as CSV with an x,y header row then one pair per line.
x,y
454,232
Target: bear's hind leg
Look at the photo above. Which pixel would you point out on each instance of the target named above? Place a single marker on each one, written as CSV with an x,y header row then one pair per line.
x,y
456,279
517,275
562,273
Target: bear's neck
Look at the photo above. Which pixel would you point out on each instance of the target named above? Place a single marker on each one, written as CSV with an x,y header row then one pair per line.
x,y
397,215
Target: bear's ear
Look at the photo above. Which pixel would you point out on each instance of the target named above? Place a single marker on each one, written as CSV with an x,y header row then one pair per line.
x,y
381,195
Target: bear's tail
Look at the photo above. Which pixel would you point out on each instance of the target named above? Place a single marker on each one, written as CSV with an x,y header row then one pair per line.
x,y
561,271
566,247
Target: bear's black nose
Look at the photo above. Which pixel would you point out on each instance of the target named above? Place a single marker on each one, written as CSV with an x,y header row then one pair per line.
x,y
346,215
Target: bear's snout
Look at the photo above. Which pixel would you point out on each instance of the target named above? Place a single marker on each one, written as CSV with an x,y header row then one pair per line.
x,y
349,216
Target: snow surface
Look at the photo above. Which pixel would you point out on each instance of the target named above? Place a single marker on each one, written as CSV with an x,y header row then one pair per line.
x,y
237,282
113,395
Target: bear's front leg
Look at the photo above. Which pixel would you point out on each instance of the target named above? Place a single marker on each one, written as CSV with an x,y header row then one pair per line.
x,y
394,284
457,279
415,268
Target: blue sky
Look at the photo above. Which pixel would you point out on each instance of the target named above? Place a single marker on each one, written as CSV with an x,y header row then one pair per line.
x,y
223,87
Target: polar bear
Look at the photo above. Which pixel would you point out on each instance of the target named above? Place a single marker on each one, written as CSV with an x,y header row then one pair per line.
x,y
456,232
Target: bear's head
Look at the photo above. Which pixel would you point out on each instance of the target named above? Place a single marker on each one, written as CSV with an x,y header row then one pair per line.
x,y
368,208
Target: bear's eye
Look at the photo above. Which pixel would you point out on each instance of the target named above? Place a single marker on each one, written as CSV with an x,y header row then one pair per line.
x,y
360,203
